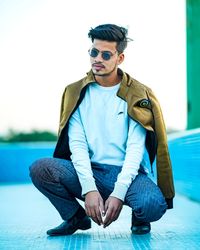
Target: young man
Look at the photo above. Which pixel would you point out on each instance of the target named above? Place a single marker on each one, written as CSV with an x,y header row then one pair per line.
x,y
111,129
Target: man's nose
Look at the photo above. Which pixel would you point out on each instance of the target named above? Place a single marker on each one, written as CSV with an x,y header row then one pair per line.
x,y
99,58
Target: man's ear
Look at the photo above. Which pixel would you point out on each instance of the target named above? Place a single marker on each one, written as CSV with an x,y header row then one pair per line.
x,y
120,58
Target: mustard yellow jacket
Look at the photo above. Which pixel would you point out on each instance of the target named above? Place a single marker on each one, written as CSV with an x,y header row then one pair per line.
x,y
143,107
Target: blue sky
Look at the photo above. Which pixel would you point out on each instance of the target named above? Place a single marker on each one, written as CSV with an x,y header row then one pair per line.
x,y
43,47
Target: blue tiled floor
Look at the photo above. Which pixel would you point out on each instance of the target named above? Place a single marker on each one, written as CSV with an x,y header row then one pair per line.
x,y
25,215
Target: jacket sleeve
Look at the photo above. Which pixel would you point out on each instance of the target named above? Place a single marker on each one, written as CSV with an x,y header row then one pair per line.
x,y
61,110
163,162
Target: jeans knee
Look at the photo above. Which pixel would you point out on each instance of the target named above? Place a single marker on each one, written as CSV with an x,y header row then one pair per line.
x,y
38,169
152,210
158,210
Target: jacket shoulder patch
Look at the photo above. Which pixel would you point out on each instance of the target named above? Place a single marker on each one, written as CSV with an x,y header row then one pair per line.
x,y
144,103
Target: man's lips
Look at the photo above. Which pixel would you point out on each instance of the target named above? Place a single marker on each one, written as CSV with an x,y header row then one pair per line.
x,y
97,66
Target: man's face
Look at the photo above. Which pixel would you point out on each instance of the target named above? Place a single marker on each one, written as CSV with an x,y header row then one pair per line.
x,y
101,66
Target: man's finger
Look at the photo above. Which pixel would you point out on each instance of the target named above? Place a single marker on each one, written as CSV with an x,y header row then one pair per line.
x,y
108,216
87,211
115,215
98,214
106,206
98,217
110,220
102,208
94,217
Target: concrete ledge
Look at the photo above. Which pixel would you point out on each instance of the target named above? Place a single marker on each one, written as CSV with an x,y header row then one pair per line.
x,y
15,159
184,149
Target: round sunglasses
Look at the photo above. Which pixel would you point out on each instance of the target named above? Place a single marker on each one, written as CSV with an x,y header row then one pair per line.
x,y
106,55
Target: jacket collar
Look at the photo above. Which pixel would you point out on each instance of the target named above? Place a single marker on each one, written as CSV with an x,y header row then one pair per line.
x,y
125,82
138,93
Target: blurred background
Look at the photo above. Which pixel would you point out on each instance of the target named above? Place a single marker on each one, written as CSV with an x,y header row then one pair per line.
x,y
44,44
43,48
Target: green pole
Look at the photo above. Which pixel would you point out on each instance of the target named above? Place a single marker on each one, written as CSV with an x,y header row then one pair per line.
x,y
193,63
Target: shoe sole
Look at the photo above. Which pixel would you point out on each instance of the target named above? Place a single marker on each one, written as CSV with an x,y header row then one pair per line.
x,y
141,230
86,227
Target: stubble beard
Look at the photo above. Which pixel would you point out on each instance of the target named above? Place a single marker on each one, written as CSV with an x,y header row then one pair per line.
x,y
105,74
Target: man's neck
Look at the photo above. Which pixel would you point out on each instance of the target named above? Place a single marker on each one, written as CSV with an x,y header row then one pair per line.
x,y
108,81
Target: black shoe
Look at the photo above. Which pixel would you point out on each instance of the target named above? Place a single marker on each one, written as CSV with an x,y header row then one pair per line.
x,y
70,226
139,227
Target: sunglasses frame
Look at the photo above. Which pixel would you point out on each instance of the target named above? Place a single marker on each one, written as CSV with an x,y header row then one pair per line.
x,y
106,55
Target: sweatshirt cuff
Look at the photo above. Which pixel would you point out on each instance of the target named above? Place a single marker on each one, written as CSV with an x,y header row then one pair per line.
x,y
87,186
119,191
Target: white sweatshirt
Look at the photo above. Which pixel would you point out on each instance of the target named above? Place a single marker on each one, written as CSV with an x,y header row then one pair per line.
x,y
100,131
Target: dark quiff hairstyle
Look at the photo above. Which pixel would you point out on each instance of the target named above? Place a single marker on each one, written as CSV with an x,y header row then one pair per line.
x,y
111,33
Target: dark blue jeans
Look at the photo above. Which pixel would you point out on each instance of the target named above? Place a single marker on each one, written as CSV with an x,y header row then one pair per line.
x,y
58,181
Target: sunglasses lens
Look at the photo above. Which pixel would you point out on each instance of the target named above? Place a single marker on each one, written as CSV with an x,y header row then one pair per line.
x,y
94,52
106,55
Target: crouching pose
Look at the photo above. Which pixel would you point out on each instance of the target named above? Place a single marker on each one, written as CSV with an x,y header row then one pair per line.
x,y
111,130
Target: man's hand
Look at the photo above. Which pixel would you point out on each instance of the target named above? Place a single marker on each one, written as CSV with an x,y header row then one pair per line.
x,y
94,206
113,207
